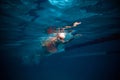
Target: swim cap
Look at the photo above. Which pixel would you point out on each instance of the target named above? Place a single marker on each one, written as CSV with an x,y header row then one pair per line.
x,y
62,35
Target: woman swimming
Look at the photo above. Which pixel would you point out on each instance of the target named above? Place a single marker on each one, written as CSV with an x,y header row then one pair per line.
x,y
59,37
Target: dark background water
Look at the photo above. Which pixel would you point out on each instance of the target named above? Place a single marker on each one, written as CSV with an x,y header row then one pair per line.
x,y
93,56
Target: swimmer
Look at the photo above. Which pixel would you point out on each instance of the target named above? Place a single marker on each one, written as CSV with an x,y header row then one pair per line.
x,y
61,33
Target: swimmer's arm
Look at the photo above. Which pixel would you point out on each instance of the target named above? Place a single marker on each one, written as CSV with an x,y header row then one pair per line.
x,y
75,24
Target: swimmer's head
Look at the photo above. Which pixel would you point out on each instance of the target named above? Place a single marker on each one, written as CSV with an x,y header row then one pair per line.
x,y
62,35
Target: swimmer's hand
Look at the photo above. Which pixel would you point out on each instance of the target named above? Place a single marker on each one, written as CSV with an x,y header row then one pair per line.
x,y
76,24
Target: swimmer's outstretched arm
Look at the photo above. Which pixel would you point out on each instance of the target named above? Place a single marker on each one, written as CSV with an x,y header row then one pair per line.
x,y
75,24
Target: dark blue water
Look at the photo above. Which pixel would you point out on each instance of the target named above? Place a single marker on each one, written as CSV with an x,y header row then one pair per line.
x,y
93,56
